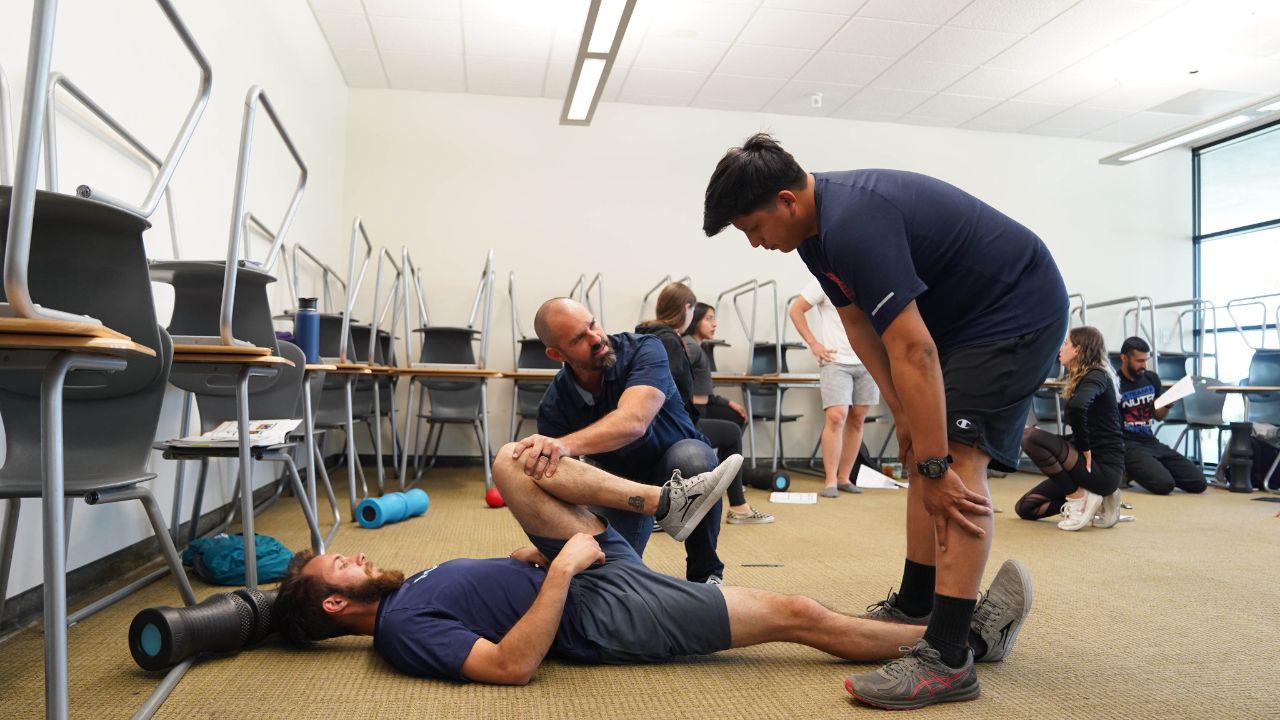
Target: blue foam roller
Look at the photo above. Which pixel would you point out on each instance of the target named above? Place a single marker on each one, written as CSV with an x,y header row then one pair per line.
x,y
373,513
418,502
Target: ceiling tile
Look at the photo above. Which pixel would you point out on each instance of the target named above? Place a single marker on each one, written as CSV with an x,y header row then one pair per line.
x,y
688,55
1077,121
1202,102
912,119
866,36
789,28
1016,115
415,35
763,61
934,12
1134,97
345,7
755,91
866,115
835,7
954,108
556,84
360,68
1140,127
650,83
700,20
434,73
513,41
923,76
526,13
1076,33
795,98
505,76
426,9
843,68
725,105
1017,16
962,46
883,101
346,31
1067,88
994,82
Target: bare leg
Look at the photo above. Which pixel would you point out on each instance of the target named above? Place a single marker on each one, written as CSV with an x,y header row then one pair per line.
x,y
832,444
574,484
852,442
760,616
960,567
920,541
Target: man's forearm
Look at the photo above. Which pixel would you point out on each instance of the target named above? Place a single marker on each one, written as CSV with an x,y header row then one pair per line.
x,y
917,376
523,648
611,432
802,326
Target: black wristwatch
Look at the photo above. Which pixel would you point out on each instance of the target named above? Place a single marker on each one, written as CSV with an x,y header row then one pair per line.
x,y
934,467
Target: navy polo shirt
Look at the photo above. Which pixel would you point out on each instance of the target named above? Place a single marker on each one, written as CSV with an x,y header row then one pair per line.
x,y
642,360
887,237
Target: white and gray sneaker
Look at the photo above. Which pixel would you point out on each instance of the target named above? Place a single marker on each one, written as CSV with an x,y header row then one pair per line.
x,y
690,499
1000,612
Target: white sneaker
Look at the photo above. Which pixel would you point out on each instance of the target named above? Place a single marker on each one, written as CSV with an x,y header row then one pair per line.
x,y
1110,514
689,499
1084,517
1071,508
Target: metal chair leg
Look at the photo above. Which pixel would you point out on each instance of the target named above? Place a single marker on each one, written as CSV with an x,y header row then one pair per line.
x,y
13,506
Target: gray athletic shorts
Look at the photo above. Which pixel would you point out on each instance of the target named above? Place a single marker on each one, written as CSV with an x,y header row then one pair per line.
x,y
635,615
842,384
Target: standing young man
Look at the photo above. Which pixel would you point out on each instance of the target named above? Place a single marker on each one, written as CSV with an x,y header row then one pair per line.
x,y
957,310
1155,466
847,389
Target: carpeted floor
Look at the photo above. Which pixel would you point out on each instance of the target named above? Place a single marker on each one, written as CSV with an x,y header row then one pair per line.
x,y
1176,615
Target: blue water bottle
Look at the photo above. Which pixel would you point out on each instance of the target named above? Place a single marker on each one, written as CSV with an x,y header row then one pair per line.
x,y
306,328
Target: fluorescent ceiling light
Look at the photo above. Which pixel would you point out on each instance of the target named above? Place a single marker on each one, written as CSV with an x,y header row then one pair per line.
x,y
601,37
585,91
1257,114
605,28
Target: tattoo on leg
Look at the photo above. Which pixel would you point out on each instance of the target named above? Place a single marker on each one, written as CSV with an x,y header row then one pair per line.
x,y
636,502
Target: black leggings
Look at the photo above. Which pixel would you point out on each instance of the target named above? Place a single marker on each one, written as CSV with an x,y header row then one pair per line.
x,y
1060,460
726,439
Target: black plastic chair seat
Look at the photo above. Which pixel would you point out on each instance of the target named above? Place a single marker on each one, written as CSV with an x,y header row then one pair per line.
x,y
184,452
769,417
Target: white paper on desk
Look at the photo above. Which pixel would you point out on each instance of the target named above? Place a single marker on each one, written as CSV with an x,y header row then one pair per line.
x,y
794,498
1180,389
868,478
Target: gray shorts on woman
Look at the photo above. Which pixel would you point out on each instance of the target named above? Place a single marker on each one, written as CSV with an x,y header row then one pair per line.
x,y
842,384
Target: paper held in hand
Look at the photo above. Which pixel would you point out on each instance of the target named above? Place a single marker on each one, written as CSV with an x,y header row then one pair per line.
x,y
261,433
1180,389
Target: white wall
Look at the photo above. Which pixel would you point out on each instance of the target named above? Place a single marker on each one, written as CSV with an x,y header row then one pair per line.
x,y
453,175
124,55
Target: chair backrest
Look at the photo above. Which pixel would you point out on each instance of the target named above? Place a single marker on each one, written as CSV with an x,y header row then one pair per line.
x,y
709,347
217,398
104,436
452,346
197,299
88,258
1264,369
764,361
1204,407
533,356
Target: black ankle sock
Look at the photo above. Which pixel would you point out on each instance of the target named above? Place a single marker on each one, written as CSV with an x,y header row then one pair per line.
x,y
978,644
948,630
664,503
915,594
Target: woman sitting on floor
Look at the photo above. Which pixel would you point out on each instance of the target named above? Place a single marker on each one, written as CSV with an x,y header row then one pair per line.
x,y
692,373
1085,468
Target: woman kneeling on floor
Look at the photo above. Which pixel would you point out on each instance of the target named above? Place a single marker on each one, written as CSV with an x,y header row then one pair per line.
x,y
1085,468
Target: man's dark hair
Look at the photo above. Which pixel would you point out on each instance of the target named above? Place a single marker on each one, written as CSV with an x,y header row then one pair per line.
x,y
747,179
297,610
1134,343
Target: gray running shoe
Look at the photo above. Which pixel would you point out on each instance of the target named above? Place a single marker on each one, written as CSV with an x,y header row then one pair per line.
x,y
916,680
690,499
1000,612
886,611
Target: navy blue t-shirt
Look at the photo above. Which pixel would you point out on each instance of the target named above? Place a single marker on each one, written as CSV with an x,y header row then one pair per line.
x,y
887,237
642,360
1138,402
428,626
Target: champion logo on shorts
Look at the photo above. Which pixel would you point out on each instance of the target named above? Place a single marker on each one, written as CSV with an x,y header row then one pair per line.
x,y
964,423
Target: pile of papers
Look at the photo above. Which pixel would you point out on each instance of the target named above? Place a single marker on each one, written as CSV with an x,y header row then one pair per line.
x,y
262,433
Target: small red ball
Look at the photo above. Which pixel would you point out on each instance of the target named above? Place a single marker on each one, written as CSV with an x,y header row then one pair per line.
x,y
494,498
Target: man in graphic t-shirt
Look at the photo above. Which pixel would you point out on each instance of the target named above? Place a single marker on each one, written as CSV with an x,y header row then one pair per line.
x,y
1147,461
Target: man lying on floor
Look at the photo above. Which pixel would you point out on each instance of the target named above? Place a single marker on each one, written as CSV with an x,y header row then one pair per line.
x,y
582,594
